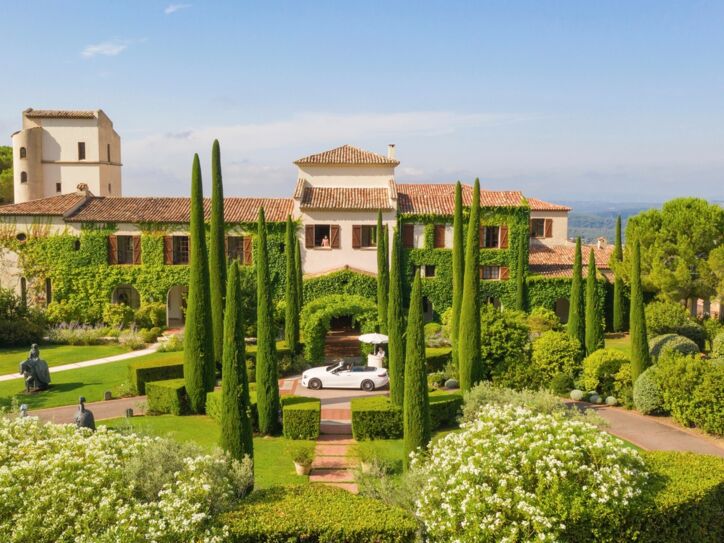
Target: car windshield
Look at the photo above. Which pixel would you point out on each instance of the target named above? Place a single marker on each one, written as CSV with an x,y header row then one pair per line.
x,y
333,367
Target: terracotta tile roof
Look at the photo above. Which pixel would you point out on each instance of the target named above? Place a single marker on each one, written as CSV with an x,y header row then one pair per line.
x,y
347,154
55,205
557,261
393,189
177,210
539,205
299,189
440,198
344,198
59,114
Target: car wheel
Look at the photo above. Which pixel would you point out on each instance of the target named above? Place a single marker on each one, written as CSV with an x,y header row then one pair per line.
x,y
315,384
368,385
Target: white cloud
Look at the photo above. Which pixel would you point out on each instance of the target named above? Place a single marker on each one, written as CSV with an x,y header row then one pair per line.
x,y
173,8
106,48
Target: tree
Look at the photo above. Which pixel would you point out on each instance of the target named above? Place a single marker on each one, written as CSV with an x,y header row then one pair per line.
x,y
199,366
458,271
300,275
6,175
217,254
416,408
383,274
291,298
236,431
594,309
267,384
470,365
619,318
395,324
640,357
576,325
520,283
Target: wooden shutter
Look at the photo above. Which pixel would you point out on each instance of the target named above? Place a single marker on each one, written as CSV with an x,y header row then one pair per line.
x,y
504,274
112,250
136,249
548,228
408,236
168,249
356,236
439,242
309,236
334,234
503,236
248,248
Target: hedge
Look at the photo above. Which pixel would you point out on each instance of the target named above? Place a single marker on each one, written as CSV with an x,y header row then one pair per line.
x,y
213,406
660,345
301,417
287,362
317,514
375,417
437,358
141,372
167,397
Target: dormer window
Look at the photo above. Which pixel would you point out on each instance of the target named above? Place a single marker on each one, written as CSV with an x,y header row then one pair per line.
x,y
23,177
108,151
81,150
23,152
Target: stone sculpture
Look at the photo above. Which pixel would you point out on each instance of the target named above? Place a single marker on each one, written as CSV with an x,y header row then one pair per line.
x,y
84,417
35,371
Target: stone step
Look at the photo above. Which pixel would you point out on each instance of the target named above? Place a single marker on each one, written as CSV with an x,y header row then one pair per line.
x,y
332,462
349,487
323,449
331,476
337,428
335,439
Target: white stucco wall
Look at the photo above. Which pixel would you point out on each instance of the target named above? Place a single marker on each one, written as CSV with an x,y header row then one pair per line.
x,y
355,176
560,226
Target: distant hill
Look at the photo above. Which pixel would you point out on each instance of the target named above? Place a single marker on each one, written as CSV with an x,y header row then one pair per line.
x,y
591,220
6,175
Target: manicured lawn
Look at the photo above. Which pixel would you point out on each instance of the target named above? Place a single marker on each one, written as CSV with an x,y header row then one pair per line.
x,y
67,386
273,465
619,343
56,355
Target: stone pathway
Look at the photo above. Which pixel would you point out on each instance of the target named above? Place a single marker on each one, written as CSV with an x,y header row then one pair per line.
x,y
109,409
332,464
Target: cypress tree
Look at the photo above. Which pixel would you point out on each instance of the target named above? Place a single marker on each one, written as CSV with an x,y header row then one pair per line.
x,y
383,274
470,364
458,270
521,289
576,326
267,384
199,366
217,256
291,313
619,318
640,358
300,274
594,309
416,409
395,324
236,432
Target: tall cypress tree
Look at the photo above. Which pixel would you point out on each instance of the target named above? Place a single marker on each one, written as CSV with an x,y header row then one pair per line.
x,y
217,256
383,274
291,298
576,325
470,363
199,366
619,317
640,357
594,309
458,271
236,431
416,408
267,384
521,287
395,326
300,275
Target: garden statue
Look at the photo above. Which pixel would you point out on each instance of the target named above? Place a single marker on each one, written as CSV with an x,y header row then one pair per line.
x,y
35,371
83,417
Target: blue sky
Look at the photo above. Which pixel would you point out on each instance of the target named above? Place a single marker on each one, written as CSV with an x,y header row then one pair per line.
x,y
617,101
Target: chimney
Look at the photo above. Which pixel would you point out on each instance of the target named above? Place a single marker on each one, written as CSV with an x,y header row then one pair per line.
x,y
601,242
391,151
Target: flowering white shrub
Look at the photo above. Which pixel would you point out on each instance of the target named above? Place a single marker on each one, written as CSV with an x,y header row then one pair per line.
x,y
58,483
515,475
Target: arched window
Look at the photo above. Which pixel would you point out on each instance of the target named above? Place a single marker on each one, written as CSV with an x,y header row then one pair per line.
x,y
23,152
23,177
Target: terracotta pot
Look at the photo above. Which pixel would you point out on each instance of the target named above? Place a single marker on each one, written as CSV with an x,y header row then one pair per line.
x,y
302,469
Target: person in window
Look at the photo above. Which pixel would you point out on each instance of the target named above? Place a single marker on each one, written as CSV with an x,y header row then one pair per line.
x,y
325,241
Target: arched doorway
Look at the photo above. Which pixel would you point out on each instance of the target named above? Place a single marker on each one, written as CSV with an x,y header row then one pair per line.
x,y
126,295
561,308
176,306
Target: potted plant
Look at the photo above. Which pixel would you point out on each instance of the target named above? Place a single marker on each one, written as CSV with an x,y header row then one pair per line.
x,y
302,456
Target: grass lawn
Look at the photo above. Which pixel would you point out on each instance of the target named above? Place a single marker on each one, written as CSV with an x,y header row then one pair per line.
x,y
619,342
67,386
273,465
56,355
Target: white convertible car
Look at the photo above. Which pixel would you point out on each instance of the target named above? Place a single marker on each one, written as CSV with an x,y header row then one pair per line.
x,y
345,375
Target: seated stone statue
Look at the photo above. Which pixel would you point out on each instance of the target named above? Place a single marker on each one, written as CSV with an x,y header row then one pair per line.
x,y
83,417
35,371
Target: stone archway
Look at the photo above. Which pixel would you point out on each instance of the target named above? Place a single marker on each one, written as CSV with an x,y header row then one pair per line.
x,y
561,308
176,306
126,295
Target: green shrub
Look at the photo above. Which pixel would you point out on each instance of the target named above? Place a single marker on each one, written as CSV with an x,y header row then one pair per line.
x,y
149,336
131,340
317,514
504,344
436,379
665,318
437,357
707,402
20,333
553,353
695,332
167,397
445,409
287,362
301,417
117,315
623,387
542,319
647,395
717,346
213,406
600,369
435,335
174,343
661,345
561,384
76,334
151,315
141,372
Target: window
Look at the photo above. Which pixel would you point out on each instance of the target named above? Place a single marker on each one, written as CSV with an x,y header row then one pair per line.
x,y
490,237
541,228
239,248
81,150
23,177
76,245
439,238
21,237
124,249
321,236
180,249
428,270
48,291
108,153
23,152
364,236
58,187
109,188
489,273
408,236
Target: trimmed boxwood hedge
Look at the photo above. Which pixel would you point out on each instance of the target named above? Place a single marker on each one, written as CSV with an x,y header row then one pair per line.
x,y
317,514
437,358
167,397
375,417
141,372
213,406
301,417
